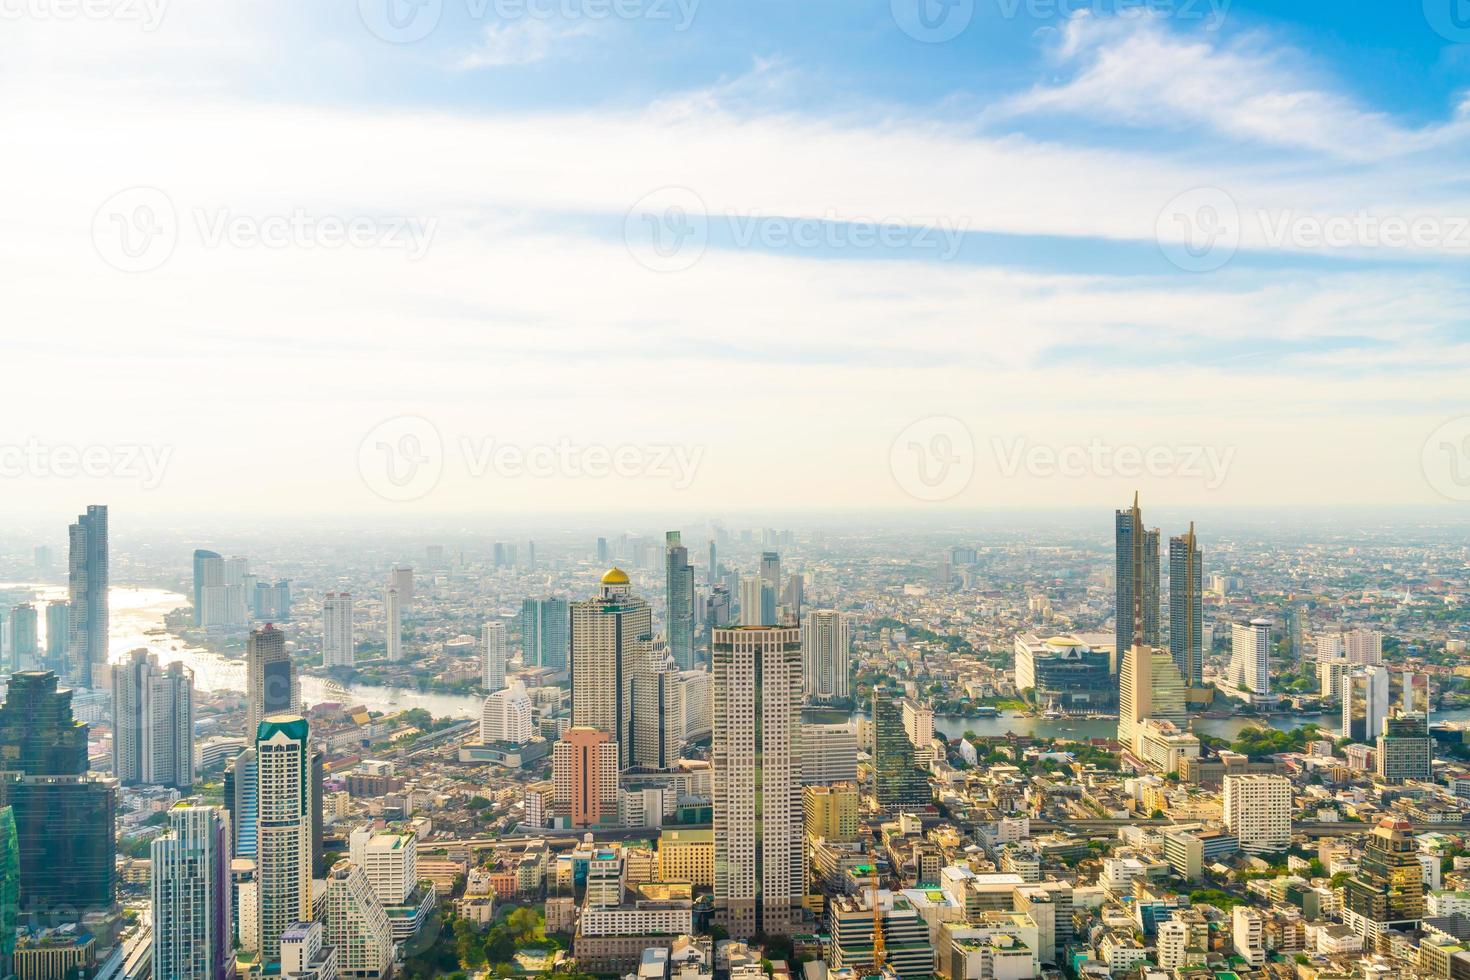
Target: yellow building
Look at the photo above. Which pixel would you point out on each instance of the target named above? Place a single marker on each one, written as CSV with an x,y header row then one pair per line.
x,y
831,812
687,855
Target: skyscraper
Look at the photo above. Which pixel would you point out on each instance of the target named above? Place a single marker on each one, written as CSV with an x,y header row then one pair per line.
x,y
58,635
898,782
612,652
393,602
1250,656
1257,810
338,649
679,598
1149,686
241,792
1137,582
63,814
271,684
153,723
283,834
756,761
507,716
402,580
9,888
202,566
751,591
192,934
826,644
1405,750
357,926
492,655
770,595
1388,890
545,633
24,637
712,575
584,767
1186,608
87,582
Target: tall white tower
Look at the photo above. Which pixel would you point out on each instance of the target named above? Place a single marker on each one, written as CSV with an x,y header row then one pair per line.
x,y
393,619
827,654
191,897
493,647
283,828
1250,655
337,646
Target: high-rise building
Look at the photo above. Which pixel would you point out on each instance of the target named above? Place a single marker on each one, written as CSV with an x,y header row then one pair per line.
x,y
58,635
1405,749
828,753
756,761
87,582
401,578
613,659
24,637
283,832
338,648
770,595
1186,608
679,600
545,636
1258,812
826,655
153,723
390,862
602,552
1363,646
1387,892
584,766
357,927
918,724
9,888
793,599
493,654
898,782
63,814
712,575
1149,687
1137,582
393,602
507,716
1365,703
1250,656
831,812
202,568
242,801
192,922
272,686
751,589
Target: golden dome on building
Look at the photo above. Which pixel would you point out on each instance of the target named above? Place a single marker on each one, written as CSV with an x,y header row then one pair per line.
x,y
615,576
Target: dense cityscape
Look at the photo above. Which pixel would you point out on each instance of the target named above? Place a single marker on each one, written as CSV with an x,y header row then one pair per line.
x,y
1115,750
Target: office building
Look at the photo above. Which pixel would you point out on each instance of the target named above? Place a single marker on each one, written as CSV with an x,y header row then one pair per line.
x,y
1149,687
401,578
770,594
1258,811
831,812
1186,608
679,601
1387,892
202,571
58,635
271,683
338,646
493,653
25,648
852,926
193,936
393,602
63,814
756,779
224,590
584,767
1366,700
1066,672
545,633
828,753
1136,570
356,925
826,643
390,862
283,830
87,583
1250,656
898,782
241,789
9,888
612,657
507,716
153,723
1404,750
1363,646
918,724
750,601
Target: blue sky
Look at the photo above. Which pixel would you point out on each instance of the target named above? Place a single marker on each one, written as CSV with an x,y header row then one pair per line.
x,y
820,232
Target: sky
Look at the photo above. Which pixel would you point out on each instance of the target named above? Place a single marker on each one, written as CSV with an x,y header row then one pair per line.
x,y
404,259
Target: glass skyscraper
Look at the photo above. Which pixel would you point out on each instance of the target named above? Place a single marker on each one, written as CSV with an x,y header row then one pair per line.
x,y
898,782
1186,608
545,629
679,596
87,579
1137,582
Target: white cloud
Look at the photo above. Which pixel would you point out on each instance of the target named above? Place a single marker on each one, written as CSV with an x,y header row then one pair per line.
x,y
520,42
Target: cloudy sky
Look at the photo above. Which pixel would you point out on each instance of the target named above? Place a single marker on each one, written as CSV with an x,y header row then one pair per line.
x,y
398,257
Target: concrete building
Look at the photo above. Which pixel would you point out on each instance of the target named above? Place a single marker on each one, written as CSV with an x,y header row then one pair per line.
x,y
1258,812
